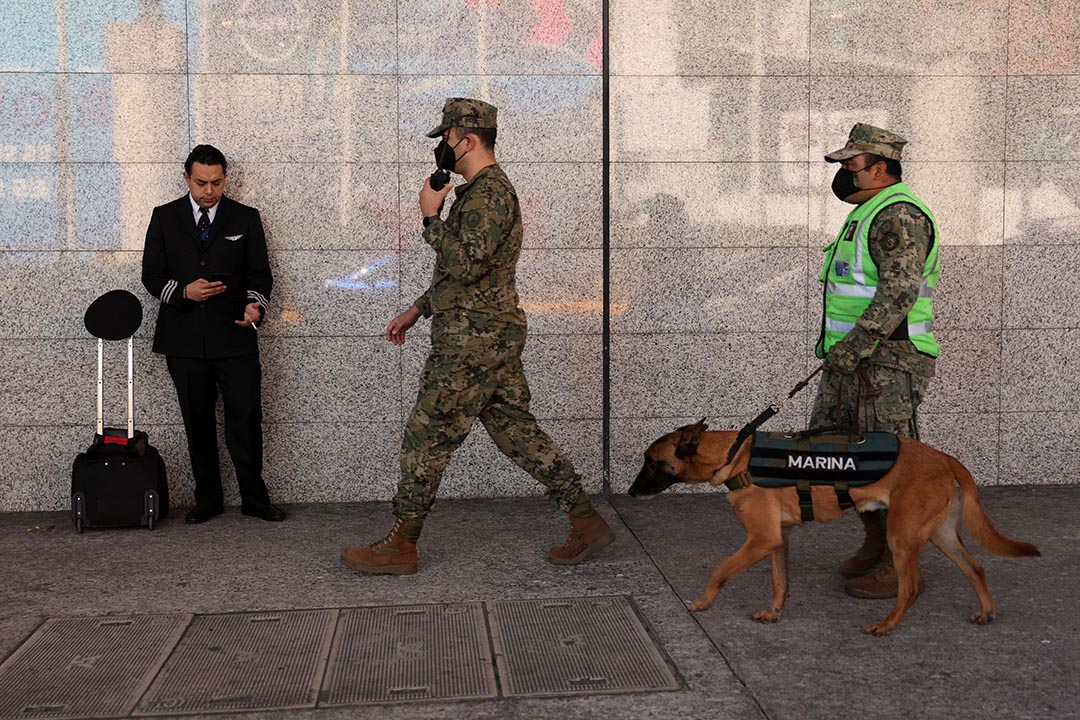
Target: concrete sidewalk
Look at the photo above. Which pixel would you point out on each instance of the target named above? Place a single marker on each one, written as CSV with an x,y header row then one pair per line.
x,y
816,662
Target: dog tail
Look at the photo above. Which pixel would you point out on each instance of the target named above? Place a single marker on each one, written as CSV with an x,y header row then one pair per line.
x,y
977,522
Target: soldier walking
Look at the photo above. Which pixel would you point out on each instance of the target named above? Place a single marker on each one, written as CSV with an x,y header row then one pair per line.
x,y
877,323
474,368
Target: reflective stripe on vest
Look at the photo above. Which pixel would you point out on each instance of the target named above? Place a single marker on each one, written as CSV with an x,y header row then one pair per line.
x,y
845,327
869,292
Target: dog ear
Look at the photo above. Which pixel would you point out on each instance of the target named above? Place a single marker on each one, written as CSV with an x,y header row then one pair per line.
x,y
689,437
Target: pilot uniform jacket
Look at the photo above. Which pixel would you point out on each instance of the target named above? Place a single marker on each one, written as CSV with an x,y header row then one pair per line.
x,y
174,256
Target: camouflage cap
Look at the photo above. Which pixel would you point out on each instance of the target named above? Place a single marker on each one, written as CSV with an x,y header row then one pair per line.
x,y
865,138
466,113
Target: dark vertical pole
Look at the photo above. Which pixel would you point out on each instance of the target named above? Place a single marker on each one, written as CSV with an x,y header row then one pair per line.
x,y
606,200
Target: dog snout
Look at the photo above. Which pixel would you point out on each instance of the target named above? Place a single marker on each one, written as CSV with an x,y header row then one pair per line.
x,y
650,482
642,482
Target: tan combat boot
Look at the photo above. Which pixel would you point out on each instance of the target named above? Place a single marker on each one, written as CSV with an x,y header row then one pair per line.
x,y
881,583
869,554
393,555
587,537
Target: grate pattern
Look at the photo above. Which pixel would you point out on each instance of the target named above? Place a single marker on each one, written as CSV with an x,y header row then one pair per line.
x,y
576,645
86,667
234,662
415,652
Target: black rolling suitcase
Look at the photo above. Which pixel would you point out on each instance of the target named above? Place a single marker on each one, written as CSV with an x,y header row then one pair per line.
x,y
120,479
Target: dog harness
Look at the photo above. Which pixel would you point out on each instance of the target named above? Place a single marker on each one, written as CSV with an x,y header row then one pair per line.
x,y
835,459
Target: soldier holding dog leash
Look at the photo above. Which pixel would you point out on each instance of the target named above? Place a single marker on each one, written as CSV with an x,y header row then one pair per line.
x,y
877,337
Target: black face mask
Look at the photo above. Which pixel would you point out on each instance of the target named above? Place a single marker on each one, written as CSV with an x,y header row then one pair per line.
x,y
843,185
444,155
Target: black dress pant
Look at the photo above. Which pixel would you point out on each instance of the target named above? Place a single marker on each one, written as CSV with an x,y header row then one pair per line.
x,y
239,380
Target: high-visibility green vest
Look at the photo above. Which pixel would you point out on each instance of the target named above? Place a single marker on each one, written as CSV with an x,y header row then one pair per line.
x,y
851,277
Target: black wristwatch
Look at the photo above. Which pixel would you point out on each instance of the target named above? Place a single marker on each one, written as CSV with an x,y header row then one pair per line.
x,y
430,219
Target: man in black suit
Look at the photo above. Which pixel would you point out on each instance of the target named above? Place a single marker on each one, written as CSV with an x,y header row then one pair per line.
x,y
205,259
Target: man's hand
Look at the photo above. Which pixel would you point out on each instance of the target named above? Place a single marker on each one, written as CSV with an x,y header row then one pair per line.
x,y
395,331
431,201
251,315
200,289
841,359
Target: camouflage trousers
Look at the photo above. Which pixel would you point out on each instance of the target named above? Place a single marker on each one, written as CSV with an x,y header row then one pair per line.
x,y
474,371
875,399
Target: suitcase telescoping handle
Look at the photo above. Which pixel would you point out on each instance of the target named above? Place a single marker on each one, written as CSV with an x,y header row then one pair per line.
x,y
100,388
130,390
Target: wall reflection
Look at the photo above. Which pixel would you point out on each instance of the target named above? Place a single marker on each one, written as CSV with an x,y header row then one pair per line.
x,y
107,114
720,118
719,115
550,37
366,279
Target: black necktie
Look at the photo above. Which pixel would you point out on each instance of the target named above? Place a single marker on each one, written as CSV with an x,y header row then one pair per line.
x,y
204,222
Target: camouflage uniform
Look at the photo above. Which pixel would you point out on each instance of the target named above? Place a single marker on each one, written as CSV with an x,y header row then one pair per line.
x,y
478,332
885,393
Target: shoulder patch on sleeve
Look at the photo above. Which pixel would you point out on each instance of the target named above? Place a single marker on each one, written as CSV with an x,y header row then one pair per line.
x,y
472,219
907,215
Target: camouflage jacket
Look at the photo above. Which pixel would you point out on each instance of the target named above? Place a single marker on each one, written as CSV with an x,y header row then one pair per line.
x,y
899,241
476,251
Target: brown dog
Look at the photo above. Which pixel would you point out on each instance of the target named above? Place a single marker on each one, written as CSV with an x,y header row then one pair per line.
x,y
928,493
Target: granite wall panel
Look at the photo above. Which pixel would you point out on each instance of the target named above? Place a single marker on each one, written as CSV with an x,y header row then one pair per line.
x,y
719,200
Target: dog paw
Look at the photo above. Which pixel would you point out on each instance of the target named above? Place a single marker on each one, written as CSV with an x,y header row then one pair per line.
x,y
981,618
767,616
878,630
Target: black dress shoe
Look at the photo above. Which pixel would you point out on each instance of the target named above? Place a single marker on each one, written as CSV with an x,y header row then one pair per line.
x,y
269,511
201,513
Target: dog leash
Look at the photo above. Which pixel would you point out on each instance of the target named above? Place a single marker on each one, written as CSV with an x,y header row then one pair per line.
x,y
766,414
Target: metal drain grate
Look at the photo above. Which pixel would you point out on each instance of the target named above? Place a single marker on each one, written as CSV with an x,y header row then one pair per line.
x,y
575,645
415,652
86,667
257,661
101,667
